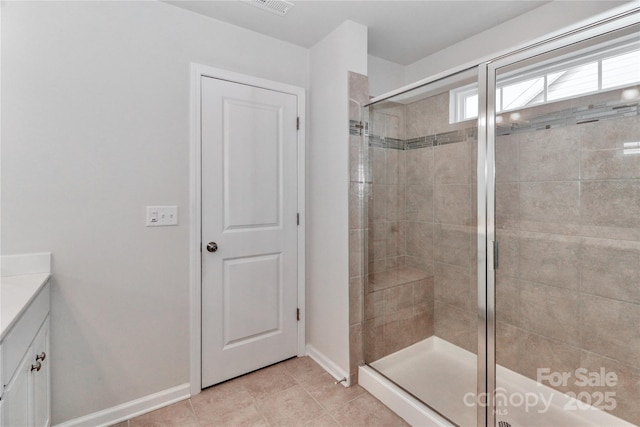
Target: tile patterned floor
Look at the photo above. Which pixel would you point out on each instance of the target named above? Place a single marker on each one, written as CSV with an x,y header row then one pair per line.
x,y
296,392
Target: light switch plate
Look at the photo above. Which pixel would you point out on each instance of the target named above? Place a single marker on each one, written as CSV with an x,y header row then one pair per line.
x,y
158,216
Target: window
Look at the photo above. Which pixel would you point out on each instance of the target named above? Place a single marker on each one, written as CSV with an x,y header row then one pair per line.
x,y
621,70
465,104
519,94
605,71
572,81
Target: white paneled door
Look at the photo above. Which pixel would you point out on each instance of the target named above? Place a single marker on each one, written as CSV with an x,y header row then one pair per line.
x,y
249,228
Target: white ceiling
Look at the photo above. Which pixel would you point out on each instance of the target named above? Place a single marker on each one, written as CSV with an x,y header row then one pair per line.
x,y
399,31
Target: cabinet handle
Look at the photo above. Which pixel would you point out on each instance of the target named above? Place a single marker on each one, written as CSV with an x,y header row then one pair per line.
x,y
36,367
41,356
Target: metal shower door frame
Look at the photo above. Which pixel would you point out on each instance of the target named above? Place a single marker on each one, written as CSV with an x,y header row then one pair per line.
x,y
487,70
487,244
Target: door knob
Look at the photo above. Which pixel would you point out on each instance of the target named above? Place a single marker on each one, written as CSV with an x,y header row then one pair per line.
x,y
212,246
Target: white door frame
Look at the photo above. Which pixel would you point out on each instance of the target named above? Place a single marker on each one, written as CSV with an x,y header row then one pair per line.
x,y
195,208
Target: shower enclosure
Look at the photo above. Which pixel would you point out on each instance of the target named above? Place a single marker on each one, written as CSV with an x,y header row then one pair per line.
x,y
502,250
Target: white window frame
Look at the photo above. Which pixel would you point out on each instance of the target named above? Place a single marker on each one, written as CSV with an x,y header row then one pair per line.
x,y
458,95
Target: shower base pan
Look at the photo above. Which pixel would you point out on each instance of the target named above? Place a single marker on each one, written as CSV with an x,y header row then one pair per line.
x,y
442,374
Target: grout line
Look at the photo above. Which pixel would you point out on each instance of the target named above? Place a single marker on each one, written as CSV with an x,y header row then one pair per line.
x,y
324,409
564,342
303,385
577,290
255,405
193,411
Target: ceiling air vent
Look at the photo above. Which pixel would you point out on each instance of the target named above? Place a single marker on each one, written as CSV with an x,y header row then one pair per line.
x,y
279,7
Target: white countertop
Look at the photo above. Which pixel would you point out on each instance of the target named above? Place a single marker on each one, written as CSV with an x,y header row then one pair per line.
x,y
21,278
16,293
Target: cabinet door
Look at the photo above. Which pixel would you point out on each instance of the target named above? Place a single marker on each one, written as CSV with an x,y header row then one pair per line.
x,y
41,378
16,397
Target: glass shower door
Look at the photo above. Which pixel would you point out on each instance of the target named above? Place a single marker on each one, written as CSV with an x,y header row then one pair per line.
x,y
421,299
567,227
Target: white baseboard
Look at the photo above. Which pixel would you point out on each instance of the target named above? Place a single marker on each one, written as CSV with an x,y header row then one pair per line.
x,y
328,365
131,409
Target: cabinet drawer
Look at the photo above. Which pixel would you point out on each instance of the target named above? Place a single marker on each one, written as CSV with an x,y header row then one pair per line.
x,y
16,343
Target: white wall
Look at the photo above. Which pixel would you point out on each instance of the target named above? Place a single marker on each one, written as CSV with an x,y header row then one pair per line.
x,y
384,76
95,125
343,50
522,30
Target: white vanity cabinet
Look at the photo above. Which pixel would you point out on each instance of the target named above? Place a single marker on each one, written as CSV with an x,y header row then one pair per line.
x,y
16,396
42,378
25,366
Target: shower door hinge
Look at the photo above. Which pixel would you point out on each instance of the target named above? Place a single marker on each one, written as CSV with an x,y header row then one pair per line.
x,y
297,123
298,314
298,218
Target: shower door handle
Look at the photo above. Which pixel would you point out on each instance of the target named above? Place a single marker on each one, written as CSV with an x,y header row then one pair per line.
x,y
492,254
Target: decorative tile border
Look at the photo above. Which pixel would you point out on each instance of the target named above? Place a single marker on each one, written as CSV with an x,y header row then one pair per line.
x,y
391,143
442,138
557,119
572,117
355,127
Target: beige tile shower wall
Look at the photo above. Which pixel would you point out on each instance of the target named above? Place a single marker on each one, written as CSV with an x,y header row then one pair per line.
x,y
440,218
430,116
358,190
568,225
399,297
385,249
397,316
422,228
